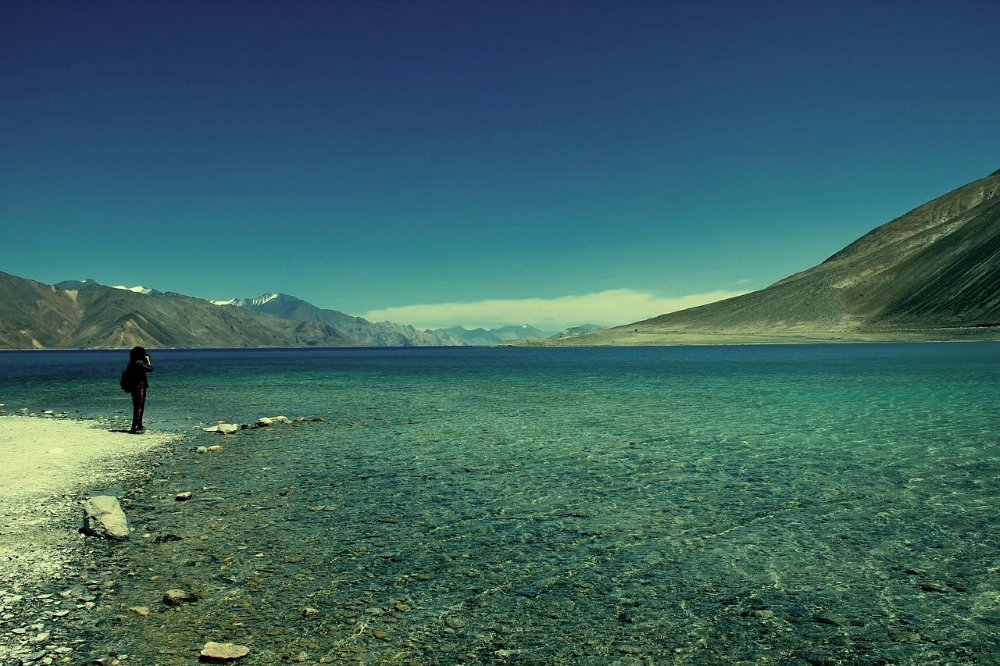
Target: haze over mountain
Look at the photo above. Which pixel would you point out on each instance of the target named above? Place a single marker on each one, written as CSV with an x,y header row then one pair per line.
x,y
931,274
494,336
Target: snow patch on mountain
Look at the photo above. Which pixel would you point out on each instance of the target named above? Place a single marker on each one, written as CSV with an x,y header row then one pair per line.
x,y
247,302
139,289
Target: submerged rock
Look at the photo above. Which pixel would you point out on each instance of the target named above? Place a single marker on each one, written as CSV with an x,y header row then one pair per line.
x,y
103,517
222,652
178,597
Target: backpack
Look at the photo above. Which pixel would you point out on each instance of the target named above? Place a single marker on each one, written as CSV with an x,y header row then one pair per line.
x,y
127,381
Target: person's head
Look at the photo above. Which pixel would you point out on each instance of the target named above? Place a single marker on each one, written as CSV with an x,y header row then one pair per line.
x,y
137,353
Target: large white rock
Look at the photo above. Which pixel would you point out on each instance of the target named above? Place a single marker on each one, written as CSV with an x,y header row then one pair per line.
x,y
103,517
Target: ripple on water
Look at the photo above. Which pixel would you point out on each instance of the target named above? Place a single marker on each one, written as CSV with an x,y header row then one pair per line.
x,y
769,506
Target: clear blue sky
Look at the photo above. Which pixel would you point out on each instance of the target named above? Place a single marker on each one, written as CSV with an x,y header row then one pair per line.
x,y
371,155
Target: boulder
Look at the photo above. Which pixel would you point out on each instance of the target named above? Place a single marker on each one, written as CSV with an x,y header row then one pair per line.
x,y
103,517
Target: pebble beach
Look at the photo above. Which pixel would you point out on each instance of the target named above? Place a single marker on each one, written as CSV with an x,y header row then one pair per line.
x,y
51,576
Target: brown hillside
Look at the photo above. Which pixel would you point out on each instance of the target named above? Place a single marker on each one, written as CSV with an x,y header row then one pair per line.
x,y
931,274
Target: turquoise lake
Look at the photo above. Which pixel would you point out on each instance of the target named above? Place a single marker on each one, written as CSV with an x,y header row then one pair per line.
x,y
817,504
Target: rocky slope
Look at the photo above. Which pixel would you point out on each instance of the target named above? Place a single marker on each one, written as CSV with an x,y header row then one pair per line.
x,y
931,274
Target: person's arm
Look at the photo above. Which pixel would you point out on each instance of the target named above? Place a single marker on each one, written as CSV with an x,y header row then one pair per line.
x,y
146,364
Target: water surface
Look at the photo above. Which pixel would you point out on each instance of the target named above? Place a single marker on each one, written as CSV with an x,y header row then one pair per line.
x,y
779,504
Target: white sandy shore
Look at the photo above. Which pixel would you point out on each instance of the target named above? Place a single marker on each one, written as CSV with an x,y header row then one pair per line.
x,y
46,464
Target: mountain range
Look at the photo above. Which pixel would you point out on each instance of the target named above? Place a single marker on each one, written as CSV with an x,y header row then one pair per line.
x,y
85,314
41,316
931,274
362,331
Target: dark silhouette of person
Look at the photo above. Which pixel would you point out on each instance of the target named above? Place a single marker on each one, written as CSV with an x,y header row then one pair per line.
x,y
138,365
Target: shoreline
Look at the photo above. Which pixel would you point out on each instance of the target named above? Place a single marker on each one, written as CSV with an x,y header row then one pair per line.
x,y
50,464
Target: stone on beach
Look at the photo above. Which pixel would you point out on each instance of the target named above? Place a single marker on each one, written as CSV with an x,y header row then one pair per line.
x,y
224,428
103,517
178,597
223,651
268,420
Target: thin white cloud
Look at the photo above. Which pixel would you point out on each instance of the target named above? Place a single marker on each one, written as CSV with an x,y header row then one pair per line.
x,y
607,308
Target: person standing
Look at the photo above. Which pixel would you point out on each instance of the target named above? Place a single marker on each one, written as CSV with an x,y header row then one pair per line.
x,y
138,365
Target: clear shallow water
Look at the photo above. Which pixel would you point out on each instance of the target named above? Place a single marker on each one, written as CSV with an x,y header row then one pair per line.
x,y
802,504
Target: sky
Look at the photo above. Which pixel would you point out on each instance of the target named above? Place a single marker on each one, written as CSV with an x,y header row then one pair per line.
x,y
480,163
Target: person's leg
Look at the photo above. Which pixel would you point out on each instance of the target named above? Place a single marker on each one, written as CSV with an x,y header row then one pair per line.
x,y
138,406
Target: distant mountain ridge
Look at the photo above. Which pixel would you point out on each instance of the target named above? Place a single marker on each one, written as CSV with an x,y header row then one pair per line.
x,y
87,314
494,336
383,334
364,332
40,316
931,274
